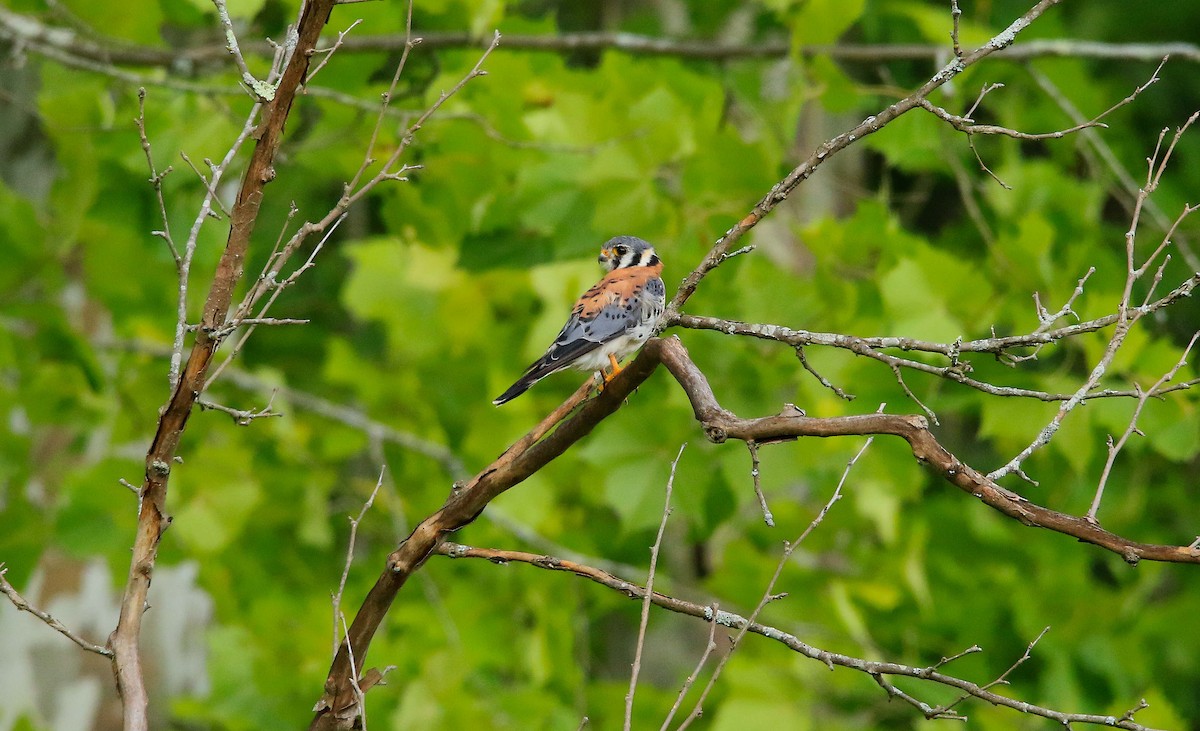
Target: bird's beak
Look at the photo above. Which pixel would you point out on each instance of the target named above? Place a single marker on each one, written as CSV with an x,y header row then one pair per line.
x,y
605,255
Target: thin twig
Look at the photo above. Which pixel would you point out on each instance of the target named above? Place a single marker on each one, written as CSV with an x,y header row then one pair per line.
x,y
908,391
1103,153
645,619
947,660
716,616
821,379
1115,448
756,479
241,417
156,178
215,197
262,91
768,594
691,679
955,14
1002,680
1127,315
337,596
331,50
189,249
22,605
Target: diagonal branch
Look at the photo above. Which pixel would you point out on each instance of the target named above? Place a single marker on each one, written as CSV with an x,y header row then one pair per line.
x,y
566,425
22,604
721,425
572,421
873,668
868,126
152,515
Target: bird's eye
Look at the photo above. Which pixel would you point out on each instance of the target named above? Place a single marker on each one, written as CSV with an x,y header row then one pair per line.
x,y
621,249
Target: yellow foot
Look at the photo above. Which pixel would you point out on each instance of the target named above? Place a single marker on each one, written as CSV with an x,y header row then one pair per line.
x,y
616,368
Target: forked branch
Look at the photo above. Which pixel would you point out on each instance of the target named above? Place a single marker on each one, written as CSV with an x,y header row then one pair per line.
x,y
876,669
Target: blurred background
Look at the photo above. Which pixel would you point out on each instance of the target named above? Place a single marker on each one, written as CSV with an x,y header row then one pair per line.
x,y
665,120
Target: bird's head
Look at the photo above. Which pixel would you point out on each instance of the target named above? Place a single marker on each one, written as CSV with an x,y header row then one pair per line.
x,y
627,251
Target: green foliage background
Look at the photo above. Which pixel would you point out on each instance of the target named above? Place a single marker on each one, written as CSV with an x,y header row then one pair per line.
x,y
433,295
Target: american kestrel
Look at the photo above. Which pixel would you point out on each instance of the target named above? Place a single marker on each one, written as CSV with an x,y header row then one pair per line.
x,y
610,321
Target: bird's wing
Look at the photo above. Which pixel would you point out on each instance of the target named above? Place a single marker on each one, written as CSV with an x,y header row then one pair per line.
x,y
587,329
607,311
603,313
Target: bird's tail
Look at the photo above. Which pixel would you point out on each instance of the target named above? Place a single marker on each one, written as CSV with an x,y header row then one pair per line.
x,y
535,373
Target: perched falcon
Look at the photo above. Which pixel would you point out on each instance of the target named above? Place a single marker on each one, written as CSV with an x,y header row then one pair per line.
x,y
610,321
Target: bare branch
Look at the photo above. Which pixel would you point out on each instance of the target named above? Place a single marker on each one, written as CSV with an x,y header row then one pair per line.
x,y
32,32
755,478
645,619
769,593
261,91
968,126
830,659
720,425
354,191
152,515
955,15
1103,155
821,379
22,605
1127,315
350,542
1115,448
908,392
956,371
691,679
156,178
1002,680
189,249
332,49
241,417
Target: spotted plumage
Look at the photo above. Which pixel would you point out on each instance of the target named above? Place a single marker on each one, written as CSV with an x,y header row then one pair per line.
x,y
610,321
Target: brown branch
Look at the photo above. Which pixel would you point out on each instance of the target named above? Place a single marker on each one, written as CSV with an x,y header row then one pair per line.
x,y
831,659
338,706
152,515
721,425
22,604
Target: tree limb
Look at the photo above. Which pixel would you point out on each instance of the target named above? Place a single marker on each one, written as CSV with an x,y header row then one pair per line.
x,y
152,516
338,706
721,425
870,125
33,33
873,668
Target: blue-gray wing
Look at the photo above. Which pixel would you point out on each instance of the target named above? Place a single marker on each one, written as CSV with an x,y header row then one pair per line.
x,y
615,306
